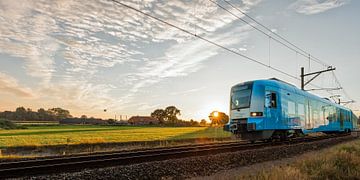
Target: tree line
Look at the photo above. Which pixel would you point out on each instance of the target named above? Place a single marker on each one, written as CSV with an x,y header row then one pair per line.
x,y
168,116
27,114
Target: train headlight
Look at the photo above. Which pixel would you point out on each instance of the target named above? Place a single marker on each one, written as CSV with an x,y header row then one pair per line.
x,y
256,114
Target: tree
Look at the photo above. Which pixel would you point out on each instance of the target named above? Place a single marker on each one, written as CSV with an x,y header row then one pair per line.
x,y
159,114
171,113
60,113
31,115
20,113
203,122
8,115
193,123
111,121
218,118
42,114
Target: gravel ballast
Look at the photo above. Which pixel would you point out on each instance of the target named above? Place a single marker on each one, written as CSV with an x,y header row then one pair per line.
x,y
197,166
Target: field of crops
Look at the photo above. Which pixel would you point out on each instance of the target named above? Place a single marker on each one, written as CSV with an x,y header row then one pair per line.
x,y
77,134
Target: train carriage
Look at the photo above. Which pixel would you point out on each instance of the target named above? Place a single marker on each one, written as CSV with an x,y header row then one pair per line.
x,y
265,109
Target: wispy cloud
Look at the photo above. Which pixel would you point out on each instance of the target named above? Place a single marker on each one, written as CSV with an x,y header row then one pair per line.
x,y
186,92
184,58
309,7
10,85
68,44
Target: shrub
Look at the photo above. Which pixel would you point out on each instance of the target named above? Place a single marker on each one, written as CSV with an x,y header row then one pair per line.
x,y
6,124
287,172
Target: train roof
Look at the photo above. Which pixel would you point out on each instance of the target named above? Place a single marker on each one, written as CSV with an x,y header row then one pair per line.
x,y
292,88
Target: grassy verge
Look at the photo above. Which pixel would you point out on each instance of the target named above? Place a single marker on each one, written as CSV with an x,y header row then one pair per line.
x,y
339,162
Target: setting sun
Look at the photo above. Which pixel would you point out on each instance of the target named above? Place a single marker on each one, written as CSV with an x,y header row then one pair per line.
x,y
216,114
207,108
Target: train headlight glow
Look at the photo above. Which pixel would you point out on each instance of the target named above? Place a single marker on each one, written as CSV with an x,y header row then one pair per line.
x,y
256,114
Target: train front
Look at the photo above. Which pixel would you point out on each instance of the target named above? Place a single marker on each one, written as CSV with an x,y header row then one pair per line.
x,y
247,112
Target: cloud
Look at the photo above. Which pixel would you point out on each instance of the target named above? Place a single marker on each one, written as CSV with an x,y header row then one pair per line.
x,y
186,92
10,85
309,7
81,96
70,45
185,58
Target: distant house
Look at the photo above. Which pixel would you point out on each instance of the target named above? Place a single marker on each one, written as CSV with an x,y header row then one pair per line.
x,y
143,120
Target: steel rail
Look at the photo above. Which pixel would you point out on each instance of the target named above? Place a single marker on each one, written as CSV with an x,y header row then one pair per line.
x,y
70,164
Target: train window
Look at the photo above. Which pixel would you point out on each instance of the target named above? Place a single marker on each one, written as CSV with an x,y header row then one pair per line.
x,y
342,115
270,99
301,109
326,112
332,114
291,108
240,96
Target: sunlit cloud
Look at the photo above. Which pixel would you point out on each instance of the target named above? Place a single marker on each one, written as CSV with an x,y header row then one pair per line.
x,y
10,85
185,58
309,7
70,45
186,92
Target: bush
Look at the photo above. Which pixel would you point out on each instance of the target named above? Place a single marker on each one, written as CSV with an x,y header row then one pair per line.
x,y
280,173
6,124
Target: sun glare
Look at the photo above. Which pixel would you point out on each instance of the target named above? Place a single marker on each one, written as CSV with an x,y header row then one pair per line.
x,y
208,108
216,114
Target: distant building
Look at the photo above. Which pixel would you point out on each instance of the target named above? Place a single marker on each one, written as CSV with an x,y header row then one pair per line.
x,y
143,120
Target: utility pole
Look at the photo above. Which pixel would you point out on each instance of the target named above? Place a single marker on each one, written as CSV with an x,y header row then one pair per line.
x,y
346,102
303,75
302,78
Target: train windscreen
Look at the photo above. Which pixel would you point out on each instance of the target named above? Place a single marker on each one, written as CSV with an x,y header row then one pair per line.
x,y
240,96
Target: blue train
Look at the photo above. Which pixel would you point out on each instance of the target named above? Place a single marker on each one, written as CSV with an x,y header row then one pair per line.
x,y
273,109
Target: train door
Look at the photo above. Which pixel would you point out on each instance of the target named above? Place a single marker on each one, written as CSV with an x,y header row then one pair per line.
x,y
342,118
309,112
271,104
354,120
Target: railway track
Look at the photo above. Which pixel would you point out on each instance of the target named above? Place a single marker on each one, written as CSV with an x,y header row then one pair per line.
x,y
76,163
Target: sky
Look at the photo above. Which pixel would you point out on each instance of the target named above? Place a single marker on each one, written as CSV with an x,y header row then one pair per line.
x,y
87,56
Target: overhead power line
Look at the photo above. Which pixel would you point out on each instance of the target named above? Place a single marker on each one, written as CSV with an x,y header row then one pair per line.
x,y
289,45
226,48
342,88
277,35
205,39
294,47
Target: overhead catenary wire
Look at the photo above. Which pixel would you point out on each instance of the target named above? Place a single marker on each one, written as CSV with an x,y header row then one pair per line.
x,y
342,88
302,52
205,39
295,48
276,34
211,42
219,45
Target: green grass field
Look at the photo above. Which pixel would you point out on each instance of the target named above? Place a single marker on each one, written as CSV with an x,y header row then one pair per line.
x,y
77,134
